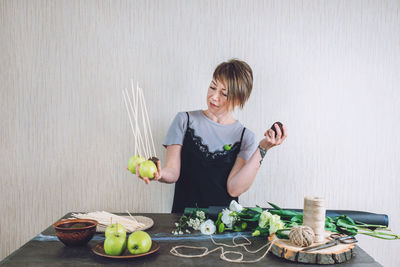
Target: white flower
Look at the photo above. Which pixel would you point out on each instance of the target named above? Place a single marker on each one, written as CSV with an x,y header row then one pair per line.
x,y
275,224
194,223
264,219
176,224
201,214
208,227
234,206
187,231
180,232
227,219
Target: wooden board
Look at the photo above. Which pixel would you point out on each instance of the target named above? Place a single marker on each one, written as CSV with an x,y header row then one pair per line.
x,y
336,254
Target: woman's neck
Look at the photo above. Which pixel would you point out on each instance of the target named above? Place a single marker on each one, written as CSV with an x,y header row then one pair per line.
x,y
221,118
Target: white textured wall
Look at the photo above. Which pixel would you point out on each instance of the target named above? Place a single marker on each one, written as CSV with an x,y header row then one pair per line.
x,y
330,70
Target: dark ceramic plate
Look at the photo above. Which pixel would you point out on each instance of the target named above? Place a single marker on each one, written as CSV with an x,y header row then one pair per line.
x,y
99,250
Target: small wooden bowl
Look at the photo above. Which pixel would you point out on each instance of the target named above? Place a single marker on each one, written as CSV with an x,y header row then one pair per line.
x,y
75,232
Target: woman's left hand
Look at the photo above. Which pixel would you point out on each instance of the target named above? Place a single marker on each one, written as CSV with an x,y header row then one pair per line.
x,y
271,139
157,174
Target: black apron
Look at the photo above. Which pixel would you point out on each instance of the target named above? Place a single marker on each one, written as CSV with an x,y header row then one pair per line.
x,y
203,175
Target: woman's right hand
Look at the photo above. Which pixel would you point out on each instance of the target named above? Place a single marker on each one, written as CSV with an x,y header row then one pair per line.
x,y
157,174
273,137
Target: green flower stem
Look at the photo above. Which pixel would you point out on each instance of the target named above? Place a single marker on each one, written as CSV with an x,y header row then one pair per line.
x,y
360,224
381,235
368,228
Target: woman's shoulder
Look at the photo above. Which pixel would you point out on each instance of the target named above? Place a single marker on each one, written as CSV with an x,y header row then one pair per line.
x,y
249,134
193,116
192,113
249,144
249,137
181,118
196,114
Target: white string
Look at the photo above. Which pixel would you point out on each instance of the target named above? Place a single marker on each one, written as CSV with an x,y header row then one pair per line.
x,y
174,251
314,216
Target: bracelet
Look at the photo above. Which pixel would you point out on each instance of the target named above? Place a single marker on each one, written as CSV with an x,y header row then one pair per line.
x,y
263,151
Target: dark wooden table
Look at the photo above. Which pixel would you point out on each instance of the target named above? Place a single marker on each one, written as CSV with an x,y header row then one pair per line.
x,y
46,250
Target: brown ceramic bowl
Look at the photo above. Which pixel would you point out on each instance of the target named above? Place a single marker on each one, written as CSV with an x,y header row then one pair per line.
x,y
75,232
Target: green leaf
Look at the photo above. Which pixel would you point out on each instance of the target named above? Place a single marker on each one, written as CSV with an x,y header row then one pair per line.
x,y
346,224
298,218
264,231
237,228
249,215
285,214
347,231
218,219
256,209
182,219
350,220
291,224
274,206
221,228
329,219
330,226
282,233
256,233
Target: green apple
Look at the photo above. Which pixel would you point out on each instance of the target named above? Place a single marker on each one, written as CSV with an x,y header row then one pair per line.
x,y
139,242
115,244
115,228
133,161
147,169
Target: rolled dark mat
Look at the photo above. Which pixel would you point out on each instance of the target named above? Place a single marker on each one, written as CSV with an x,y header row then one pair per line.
x,y
359,216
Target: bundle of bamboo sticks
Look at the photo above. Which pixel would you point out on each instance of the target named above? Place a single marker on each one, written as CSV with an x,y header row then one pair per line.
x,y
139,119
105,219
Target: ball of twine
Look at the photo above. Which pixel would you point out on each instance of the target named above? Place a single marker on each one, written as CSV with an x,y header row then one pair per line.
x,y
302,236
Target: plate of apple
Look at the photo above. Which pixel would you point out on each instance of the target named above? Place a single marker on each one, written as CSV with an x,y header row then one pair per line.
x,y
118,245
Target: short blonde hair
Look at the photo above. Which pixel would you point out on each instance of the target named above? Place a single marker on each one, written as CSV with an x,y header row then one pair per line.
x,y
237,77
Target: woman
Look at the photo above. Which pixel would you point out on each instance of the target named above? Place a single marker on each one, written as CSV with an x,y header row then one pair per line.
x,y
212,157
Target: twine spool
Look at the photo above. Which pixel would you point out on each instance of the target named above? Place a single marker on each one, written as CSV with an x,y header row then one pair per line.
x,y
302,236
314,216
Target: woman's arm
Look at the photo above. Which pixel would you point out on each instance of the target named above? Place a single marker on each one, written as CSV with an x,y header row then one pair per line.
x,y
171,171
243,173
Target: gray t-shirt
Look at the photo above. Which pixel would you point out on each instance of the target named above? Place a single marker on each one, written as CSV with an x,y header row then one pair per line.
x,y
213,134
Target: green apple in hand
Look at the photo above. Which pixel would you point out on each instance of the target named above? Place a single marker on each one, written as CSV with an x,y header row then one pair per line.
x,y
147,169
133,161
115,228
139,242
115,244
